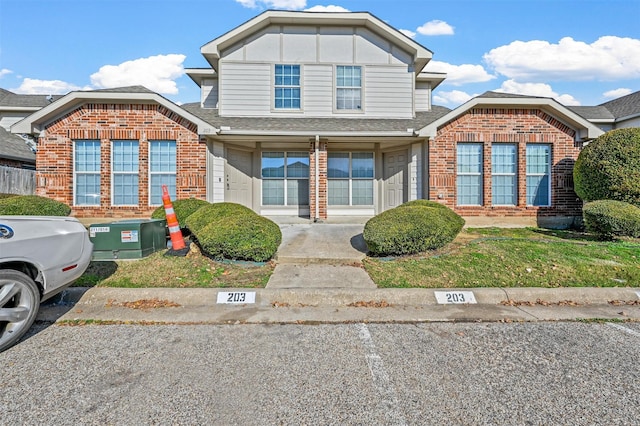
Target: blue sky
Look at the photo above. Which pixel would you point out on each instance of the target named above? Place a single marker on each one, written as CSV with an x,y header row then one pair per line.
x,y
580,52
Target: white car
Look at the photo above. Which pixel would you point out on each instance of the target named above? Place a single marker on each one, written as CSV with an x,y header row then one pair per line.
x,y
39,257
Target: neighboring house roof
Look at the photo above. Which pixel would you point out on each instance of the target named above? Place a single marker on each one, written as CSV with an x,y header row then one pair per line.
x,y
212,50
35,123
584,129
13,101
325,126
13,147
620,109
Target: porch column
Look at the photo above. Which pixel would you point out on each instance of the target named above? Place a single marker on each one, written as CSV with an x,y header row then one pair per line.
x,y
318,179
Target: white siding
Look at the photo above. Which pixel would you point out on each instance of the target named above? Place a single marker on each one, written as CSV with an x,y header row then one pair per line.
x,y
634,122
318,90
388,92
336,45
8,119
265,46
370,48
245,89
415,172
210,93
299,45
423,96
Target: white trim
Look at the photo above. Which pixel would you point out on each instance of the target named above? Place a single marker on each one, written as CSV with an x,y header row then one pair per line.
x,y
113,173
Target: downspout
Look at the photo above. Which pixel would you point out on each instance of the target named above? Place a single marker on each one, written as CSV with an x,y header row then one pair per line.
x,y
317,177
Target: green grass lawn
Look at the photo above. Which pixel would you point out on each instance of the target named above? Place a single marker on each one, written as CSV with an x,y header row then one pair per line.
x,y
493,257
158,270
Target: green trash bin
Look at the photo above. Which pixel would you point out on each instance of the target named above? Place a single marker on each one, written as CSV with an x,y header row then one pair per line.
x,y
128,239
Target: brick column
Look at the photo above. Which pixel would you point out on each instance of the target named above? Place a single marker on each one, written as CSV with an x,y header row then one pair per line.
x,y
322,180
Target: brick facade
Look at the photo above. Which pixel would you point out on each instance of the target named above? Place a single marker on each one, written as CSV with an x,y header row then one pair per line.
x,y
516,126
109,122
322,178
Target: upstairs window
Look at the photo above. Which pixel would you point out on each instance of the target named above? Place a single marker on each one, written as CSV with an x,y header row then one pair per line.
x,y
86,173
348,87
287,87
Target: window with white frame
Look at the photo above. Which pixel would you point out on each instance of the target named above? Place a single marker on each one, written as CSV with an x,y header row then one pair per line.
x,y
86,173
162,170
124,173
538,175
350,178
504,168
348,87
469,174
285,179
287,87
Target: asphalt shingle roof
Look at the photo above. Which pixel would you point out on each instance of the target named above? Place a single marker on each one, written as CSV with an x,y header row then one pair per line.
x,y
10,99
14,147
305,124
624,106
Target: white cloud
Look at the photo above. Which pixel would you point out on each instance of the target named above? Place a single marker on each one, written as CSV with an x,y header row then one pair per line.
x,y
4,72
460,74
408,33
455,97
608,58
434,28
330,8
274,4
32,86
536,89
617,93
157,73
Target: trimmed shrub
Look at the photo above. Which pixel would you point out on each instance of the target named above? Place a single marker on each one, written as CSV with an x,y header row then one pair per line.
x,y
608,168
240,237
410,229
33,205
611,218
425,203
182,208
213,212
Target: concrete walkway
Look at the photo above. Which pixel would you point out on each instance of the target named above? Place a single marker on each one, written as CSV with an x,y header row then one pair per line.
x,y
321,255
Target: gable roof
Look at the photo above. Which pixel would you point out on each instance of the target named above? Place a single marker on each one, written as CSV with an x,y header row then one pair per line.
x,y
13,147
620,109
212,50
326,126
35,123
584,129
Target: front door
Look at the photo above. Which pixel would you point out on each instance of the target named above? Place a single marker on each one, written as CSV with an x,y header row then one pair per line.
x,y
238,187
395,178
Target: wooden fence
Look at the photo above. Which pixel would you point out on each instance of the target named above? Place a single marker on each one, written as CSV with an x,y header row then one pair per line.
x,y
17,181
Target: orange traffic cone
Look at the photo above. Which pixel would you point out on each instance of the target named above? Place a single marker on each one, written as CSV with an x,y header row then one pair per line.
x,y
177,241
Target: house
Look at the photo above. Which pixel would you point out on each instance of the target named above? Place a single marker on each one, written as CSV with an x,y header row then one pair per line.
x,y
615,114
316,115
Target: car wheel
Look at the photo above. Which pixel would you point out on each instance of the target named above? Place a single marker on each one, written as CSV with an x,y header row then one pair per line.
x,y
19,304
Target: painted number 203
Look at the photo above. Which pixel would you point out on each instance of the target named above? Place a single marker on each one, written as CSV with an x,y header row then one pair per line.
x,y
456,298
236,297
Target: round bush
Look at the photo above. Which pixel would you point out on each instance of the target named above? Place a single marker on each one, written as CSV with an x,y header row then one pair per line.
x,y
182,208
608,168
33,205
425,203
213,212
240,237
611,218
411,229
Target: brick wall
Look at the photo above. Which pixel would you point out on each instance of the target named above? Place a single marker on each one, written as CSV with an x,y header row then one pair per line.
x,y
108,122
517,126
322,178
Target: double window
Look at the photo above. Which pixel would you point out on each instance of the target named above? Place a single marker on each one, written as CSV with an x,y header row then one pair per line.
x,y
504,171
350,178
124,173
162,170
348,87
504,174
287,87
285,179
469,180
86,173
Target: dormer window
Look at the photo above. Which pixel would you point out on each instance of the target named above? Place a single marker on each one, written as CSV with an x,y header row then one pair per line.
x,y
287,87
348,87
